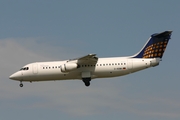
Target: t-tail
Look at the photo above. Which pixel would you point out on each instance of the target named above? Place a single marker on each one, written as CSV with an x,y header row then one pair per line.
x,y
155,46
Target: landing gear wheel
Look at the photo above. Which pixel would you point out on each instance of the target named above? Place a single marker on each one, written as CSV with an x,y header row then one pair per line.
x,y
21,85
86,81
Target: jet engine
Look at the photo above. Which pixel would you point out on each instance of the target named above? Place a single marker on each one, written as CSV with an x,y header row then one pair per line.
x,y
68,67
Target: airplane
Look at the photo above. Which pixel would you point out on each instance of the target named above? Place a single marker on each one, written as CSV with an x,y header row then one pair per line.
x,y
90,66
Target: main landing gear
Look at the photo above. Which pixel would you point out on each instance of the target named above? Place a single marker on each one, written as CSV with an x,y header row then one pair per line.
x,y
21,85
86,81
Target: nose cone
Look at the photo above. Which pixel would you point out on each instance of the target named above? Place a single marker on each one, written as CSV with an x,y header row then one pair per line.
x,y
16,76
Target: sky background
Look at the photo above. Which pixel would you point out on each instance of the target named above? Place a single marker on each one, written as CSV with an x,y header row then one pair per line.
x,y
44,30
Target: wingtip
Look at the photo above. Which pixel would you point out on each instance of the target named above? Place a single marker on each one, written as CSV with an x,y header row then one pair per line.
x,y
92,54
170,31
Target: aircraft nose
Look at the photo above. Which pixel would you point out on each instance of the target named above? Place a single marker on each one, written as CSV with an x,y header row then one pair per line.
x,y
16,76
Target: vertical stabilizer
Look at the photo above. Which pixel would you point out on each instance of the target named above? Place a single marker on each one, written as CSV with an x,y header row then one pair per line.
x,y
155,46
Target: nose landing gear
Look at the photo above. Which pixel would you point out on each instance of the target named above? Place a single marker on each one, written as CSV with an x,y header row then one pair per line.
x,y
21,85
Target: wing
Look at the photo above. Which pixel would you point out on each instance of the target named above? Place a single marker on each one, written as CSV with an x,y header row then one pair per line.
x,y
90,58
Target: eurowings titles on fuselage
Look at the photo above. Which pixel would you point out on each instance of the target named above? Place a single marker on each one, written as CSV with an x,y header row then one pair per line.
x,y
89,67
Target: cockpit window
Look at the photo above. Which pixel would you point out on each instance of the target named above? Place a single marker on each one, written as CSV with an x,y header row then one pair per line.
x,y
25,68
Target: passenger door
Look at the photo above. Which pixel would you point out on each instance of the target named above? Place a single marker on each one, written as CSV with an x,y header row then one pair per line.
x,y
35,68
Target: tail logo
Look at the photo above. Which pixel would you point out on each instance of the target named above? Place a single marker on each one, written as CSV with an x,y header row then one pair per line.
x,y
155,46
155,50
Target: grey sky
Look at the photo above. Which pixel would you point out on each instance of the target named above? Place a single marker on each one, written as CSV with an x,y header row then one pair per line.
x,y
45,30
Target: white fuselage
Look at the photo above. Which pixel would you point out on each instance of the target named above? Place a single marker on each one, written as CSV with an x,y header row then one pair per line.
x,y
89,67
105,67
